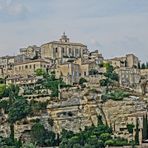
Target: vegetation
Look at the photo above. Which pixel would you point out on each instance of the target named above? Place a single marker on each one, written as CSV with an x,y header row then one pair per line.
x,y
91,137
130,128
41,136
40,72
110,76
144,66
93,72
82,81
116,95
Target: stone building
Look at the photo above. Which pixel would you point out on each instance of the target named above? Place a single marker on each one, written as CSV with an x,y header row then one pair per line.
x,y
85,66
63,49
6,65
70,72
31,52
144,73
29,67
130,60
129,76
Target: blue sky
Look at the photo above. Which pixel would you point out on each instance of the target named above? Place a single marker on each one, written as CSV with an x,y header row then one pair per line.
x,y
114,27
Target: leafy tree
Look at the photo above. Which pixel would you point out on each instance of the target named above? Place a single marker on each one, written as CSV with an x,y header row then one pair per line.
x,y
130,128
41,136
40,72
82,80
28,145
2,90
4,104
143,66
109,142
147,65
110,75
18,110
93,72
38,133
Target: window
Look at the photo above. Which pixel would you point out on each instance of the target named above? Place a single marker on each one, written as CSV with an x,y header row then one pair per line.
x,y
56,50
70,51
84,73
62,50
30,66
26,66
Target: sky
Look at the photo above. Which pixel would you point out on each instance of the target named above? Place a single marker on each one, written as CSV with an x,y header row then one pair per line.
x,y
114,27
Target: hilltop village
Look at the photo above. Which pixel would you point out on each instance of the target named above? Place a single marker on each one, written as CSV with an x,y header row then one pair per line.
x,y
68,88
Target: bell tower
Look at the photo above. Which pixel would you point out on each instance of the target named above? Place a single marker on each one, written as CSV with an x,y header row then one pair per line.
x,y
64,38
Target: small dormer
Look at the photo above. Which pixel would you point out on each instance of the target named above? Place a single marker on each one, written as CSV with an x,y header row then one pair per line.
x,y
64,38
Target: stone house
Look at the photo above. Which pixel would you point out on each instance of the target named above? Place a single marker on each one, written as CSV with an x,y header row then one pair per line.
x,y
29,67
129,76
6,65
130,60
63,49
31,52
70,72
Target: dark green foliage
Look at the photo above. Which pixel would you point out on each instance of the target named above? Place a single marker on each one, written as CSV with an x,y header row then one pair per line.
x,y
104,82
53,84
120,142
143,66
18,110
116,95
37,106
2,90
94,136
100,120
9,143
41,136
38,133
93,72
110,75
5,105
130,128
137,132
51,122
82,80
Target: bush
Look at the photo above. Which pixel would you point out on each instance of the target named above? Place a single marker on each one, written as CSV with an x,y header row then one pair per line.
x,y
130,128
82,80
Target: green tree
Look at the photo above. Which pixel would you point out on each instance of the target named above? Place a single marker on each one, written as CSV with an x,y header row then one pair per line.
x,y
18,110
130,128
147,65
82,80
110,75
41,136
2,90
143,66
28,145
38,133
40,72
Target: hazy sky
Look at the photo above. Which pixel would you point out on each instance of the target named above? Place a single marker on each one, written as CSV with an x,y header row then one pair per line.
x,y
114,27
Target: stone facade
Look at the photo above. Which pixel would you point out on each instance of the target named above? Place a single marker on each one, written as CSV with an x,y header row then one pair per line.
x,y
29,67
63,49
31,52
70,72
129,76
130,60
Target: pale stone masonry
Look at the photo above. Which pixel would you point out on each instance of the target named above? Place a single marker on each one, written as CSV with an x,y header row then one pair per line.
x,y
63,49
29,67
130,60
